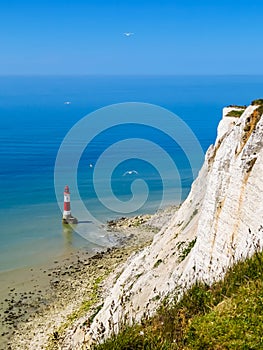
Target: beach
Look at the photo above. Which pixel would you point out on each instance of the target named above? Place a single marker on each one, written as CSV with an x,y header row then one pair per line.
x,y
37,312
40,262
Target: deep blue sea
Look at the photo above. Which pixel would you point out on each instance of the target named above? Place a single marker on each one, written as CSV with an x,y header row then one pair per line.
x,y
34,122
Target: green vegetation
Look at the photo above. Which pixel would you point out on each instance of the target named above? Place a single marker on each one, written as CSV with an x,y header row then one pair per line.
x,y
260,110
235,113
158,262
236,323
258,102
84,308
186,249
91,318
87,304
237,106
226,315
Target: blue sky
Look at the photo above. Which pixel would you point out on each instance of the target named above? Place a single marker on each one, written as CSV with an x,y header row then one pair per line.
x,y
170,37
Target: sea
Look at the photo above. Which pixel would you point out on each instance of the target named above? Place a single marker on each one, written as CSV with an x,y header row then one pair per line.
x,y
126,145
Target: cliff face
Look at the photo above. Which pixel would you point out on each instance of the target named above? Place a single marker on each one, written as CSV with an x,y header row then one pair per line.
x,y
220,222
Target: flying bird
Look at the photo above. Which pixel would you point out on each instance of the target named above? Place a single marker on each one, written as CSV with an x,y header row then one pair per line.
x,y
128,34
130,172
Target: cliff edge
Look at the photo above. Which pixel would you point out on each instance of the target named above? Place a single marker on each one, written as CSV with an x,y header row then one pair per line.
x,y
219,223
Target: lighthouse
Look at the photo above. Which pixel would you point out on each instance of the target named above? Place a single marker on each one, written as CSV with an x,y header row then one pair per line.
x,y
67,217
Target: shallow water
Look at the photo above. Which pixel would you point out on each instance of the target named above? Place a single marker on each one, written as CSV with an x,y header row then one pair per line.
x,y
34,121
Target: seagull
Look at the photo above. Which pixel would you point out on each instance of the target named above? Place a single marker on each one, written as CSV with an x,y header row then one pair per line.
x,y
130,172
128,33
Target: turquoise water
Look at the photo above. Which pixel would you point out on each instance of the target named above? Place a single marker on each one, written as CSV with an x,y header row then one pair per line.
x,y
34,122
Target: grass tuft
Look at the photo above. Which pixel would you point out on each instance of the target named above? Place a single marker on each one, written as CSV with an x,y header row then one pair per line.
x,y
226,315
185,249
157,263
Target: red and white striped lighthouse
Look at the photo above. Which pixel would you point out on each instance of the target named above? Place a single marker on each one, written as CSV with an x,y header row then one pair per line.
x,y
67,217
66,212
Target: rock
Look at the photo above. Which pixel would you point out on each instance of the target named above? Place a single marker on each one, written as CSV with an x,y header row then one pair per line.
x,y
55,281
220,219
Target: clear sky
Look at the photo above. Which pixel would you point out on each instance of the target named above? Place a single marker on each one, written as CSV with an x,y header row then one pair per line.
x,y
170,37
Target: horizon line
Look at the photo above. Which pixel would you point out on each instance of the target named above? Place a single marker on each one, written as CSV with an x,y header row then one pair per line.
x,y
125,75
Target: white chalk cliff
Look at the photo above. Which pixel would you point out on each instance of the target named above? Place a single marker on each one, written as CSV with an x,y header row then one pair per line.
x,y
219,223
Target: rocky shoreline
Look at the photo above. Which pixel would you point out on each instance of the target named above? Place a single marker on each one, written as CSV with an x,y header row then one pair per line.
x,y
39,318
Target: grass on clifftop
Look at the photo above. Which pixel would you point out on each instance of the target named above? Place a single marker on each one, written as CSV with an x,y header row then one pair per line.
x,y
227,315
235,113
258,102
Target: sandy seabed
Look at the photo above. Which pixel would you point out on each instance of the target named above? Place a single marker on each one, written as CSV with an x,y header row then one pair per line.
x,y
38,315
